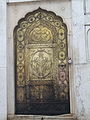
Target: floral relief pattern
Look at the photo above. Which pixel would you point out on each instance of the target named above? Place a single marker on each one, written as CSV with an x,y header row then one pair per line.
x,y
41,53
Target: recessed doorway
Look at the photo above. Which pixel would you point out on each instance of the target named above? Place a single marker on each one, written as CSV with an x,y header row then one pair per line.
x,y
41,64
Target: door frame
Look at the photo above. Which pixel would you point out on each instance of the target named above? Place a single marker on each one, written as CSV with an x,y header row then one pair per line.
x,y
71,70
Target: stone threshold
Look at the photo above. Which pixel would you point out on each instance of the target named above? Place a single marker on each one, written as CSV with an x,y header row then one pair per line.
x,y
41,117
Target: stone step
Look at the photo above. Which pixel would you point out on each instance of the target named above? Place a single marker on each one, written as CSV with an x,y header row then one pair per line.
x,y
40,117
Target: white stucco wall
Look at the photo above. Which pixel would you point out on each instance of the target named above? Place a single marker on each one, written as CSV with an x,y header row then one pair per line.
x,y
76,15
3,65
81,62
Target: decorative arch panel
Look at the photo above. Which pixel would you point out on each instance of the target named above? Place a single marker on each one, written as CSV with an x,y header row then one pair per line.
x,y
41,64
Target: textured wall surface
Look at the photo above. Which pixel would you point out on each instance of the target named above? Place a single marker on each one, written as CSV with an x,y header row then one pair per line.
x,y
3,68
81,55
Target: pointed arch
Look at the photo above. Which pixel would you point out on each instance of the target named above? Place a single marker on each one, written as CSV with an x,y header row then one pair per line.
x,y
41,28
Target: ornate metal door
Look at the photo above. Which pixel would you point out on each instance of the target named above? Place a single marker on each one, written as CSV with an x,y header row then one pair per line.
x,y
41,67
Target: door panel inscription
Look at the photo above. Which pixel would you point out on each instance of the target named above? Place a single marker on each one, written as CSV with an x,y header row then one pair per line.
x,y
41,67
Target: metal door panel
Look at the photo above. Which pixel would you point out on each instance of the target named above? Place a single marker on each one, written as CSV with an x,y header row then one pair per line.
x,y
41,67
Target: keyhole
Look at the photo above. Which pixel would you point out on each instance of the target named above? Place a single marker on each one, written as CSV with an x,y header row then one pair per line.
x,y
42,118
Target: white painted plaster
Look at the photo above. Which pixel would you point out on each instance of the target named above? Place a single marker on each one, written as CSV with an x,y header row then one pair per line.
x,y
79,53
2,33
87,6
81,68
3,94
87,33
82,82
14,1
3,82
87,19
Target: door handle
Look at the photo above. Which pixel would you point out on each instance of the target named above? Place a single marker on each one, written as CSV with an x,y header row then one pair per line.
x,y
70,61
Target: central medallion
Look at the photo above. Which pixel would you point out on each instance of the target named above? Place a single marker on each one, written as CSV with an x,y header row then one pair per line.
x,y
41,64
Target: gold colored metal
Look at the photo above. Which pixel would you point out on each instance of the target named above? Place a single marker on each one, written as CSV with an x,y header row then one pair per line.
x,y
39,63
41,58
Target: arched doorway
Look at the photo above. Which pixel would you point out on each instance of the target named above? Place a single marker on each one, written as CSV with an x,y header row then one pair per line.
x,y
41,64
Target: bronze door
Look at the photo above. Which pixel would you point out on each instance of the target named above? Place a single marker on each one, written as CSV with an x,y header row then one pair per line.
x,y
41,67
